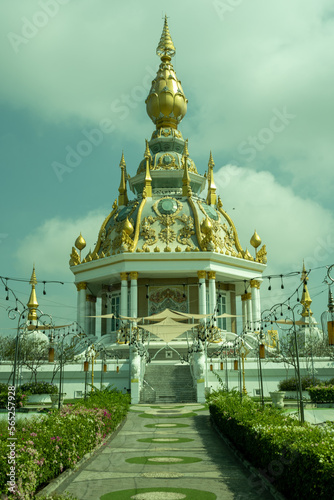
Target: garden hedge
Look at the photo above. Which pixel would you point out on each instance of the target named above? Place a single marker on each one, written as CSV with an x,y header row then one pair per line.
x,y
297,459
48,445
321,393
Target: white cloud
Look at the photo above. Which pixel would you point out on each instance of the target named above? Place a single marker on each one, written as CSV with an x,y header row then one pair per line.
x,y
49,245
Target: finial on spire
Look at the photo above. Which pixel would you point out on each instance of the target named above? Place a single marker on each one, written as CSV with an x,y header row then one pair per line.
x,y
32,304
211,198
123,196
306,300
148,178
166,48
186,189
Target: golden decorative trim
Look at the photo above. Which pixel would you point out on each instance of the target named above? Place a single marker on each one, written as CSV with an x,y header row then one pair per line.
x,y
102,230
212,275
230,221
138,222
81,286
197,225
201,275
255,284
246,296
133,275
124,276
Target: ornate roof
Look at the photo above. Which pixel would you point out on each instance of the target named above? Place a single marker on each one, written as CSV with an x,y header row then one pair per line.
x,y
169,213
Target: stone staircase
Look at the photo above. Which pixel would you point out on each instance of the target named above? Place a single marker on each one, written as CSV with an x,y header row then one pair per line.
x,y
168,384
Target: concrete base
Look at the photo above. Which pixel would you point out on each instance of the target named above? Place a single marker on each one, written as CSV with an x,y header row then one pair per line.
x,y
200,391
135,392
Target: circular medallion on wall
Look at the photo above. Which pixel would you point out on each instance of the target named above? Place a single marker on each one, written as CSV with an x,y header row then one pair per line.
x,y
211,212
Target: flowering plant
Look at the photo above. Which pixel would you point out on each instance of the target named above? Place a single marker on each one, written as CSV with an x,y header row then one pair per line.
x,y
40,388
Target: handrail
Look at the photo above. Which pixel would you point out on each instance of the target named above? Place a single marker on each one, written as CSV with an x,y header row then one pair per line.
x,y
145,382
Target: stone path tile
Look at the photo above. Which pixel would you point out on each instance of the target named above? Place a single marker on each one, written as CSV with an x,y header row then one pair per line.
x,y
218,472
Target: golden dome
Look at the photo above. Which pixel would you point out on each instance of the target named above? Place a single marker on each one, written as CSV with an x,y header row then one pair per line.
x,y
80,243
166,103
128,227
255,240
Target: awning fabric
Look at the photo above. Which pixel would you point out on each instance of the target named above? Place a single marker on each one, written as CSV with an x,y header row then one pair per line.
x,y
168,329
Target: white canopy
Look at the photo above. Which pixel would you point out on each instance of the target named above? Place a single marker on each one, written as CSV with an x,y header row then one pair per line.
x,y
168,329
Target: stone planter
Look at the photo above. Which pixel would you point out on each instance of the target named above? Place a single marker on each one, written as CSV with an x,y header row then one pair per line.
x,y
54,399
295,395
277,398
39,399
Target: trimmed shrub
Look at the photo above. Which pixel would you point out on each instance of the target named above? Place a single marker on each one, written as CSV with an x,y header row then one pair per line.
x,y
321,393
297,459
291,384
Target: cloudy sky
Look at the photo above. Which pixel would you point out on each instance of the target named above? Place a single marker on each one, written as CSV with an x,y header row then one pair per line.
x,y
259,77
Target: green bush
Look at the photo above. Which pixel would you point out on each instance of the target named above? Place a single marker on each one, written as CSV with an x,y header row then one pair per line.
x,y
6,395
39,388
297,459
291,384
321,393
52,443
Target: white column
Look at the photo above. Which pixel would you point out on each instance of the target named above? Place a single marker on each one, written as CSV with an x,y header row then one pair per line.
x,y
244,312
90,311
201,292
212,291
256,304
249,312
134,294
81,305
124,294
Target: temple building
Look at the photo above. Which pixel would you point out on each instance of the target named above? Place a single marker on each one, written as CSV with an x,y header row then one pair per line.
x,y
168,245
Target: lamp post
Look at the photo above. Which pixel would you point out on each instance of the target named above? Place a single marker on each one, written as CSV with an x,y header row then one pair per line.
x,y
292,324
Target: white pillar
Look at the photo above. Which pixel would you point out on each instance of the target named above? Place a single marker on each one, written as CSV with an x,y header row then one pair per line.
x,y
249,312
256,304
124,294
201,292
90,311
81,305
212,291
134,294
244,312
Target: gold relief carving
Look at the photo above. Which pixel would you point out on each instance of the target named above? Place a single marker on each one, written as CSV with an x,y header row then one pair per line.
x,y
133,275
247,255
233,230
261,255
212,275
74,258
167,249
273,337
201,275
81,286
175,294
156,249
102,234
246,296
255,284
124,276
147,232
178,249
165,132
167,235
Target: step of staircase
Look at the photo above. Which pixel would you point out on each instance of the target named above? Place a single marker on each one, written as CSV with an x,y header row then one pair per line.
x,y
168,384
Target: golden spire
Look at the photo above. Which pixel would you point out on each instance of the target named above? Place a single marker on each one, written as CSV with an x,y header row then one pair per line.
x,y
166,49
166,103
80,242
211,198
186,179
148,178
123,196
32,304
306,300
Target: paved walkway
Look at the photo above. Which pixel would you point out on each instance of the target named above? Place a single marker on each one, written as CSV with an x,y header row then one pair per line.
x,y
172,451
